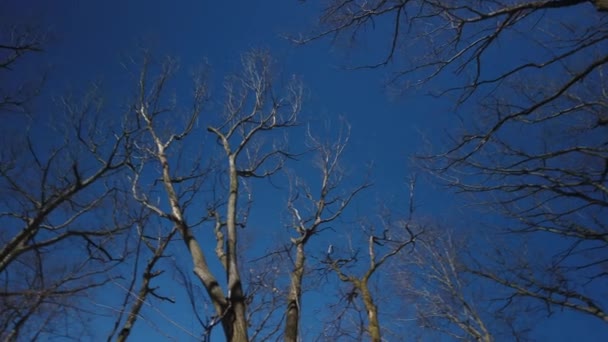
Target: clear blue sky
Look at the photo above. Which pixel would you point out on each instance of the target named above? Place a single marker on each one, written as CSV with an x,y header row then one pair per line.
x,y
88,41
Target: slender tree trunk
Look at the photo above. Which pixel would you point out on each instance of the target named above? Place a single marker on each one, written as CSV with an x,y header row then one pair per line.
x,y
372,311
201,268
293,300
237,315
139,302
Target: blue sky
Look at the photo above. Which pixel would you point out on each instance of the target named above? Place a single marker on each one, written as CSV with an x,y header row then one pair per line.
x,y
88,41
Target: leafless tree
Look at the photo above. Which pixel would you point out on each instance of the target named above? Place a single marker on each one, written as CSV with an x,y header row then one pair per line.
x,y
62,237
384,242
314,214
267,294
161,153
252,109
551,92
157,245
449,299
248,157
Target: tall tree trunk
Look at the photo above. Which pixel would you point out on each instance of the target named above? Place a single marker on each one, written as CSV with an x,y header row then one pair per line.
x,y
237,315
295,293
372,310
201,268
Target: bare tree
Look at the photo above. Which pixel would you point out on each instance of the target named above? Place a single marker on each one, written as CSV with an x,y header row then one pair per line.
x,y
179,177
62,236
248,157
449,299
157,245
552,92
360,284
314,215
267,294
384,242
252,109
446,299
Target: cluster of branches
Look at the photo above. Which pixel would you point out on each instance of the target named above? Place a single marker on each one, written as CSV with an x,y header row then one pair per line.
x,y
59,210
552,91
15,44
